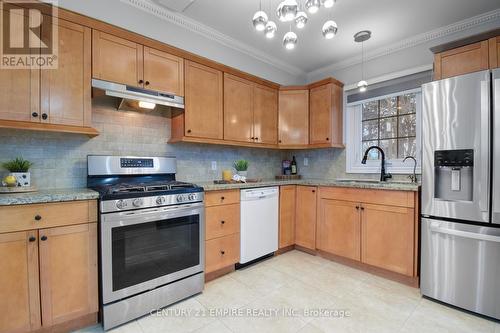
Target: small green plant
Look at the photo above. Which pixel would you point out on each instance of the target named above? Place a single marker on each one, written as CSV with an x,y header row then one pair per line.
x,y
18,164
241,165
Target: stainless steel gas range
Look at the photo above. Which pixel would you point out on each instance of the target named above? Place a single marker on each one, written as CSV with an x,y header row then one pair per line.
x,y
151,235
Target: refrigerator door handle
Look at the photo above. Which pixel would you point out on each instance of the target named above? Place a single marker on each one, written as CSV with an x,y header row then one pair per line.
x,y
464,234
496,147
485,148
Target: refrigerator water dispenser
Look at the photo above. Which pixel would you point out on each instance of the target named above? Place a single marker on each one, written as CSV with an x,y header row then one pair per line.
x,y
454,170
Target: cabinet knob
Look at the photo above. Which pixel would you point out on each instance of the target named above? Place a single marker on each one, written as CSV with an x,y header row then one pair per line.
x,y
222,222
252,138
327,139
279,141
362,208
38,217
43,238
189,131
32,238
313,191
147,83
44,116
357,207
34,114
256,138
222,252
141,81
222,198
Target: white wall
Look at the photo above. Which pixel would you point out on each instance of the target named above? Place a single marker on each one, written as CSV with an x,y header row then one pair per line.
x,y
125,16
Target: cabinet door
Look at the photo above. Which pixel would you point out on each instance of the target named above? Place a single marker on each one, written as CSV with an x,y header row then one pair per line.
x,y
293,114
265,114
116,59
387,237
494,56
204,102
287,216
19,91
325,115
19,289
68,272
238,109
163,72
339,228
65,91
222,252
462,60
305,224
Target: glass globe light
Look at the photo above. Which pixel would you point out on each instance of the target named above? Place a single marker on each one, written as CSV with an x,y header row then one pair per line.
x,y
271,29
362,85
301,20
287,10
312,6
290,40
259,20
328,3
329,29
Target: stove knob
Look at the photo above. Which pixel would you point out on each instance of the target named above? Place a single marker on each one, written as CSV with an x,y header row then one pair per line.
x,y
120,204
137,202
160,200
180,198
192,197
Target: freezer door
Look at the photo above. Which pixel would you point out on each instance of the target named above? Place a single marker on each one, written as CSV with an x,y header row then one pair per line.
x,y
496,147
460,265
456,147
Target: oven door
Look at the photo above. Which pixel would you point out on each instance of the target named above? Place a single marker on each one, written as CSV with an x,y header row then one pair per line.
x,y
144,249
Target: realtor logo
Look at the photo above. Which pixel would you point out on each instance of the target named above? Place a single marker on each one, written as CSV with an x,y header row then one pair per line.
x,y
28,34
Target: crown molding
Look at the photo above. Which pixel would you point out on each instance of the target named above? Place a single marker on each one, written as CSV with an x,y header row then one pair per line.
x,y
411,42
212,34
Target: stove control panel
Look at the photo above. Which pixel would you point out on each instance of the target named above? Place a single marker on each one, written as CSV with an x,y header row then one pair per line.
x,y
150,202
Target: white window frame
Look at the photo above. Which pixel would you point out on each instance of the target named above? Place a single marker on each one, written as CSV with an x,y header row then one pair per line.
x,y
353,117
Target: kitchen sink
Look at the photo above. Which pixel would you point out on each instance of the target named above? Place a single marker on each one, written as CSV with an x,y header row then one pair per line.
x,y
374,181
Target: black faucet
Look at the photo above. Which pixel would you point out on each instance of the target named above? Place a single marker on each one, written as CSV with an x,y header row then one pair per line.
x,y
383,176
413,177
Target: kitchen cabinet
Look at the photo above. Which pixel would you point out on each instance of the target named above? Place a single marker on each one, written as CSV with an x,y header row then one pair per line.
x,y
265,114
293,118
462,60
49,278
287,216
122,61
375,227
494,52
325,115
222,230
338,230
305,223
203,114
387,237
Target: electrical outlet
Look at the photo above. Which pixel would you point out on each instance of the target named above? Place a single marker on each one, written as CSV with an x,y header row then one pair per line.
x,y
306,161
214,165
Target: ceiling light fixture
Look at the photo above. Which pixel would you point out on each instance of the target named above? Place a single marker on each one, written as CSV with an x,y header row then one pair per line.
x,y
327,3
260,19
361,37
329,29
287,10
312,6
271,29
301,20
290,39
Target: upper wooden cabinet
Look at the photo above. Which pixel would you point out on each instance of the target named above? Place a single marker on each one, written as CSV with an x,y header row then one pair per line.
x,y
293,114
305,223
65,91
325,115
250,111
119,60
494,52
203,114
287,216
466,59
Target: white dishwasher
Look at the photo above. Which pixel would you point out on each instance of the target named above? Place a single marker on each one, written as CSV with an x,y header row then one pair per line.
x,y
259,223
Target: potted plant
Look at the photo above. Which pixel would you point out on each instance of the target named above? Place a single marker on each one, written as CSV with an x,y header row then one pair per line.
x,y
241,167
18,168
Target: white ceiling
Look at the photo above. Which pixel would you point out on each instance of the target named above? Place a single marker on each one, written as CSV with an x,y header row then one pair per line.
x,y
389,20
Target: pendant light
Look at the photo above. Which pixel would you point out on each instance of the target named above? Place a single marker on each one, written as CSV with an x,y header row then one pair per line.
x,y
361,37
301,20
312,6
290,39
271,29
287,10
329,29
260,19
327,3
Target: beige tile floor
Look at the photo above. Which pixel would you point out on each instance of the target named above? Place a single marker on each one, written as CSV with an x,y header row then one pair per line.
x,y
302,282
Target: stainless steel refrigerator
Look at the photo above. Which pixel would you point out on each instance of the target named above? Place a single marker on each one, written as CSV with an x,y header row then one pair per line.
x,y
460,227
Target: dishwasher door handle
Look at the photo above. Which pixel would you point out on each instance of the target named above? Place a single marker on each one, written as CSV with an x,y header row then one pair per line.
x,y
464,234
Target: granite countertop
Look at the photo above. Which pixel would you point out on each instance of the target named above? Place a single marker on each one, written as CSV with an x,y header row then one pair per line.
x,y
43,196
395,185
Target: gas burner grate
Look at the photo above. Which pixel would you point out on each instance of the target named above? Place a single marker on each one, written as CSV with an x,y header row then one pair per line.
x,y
129,189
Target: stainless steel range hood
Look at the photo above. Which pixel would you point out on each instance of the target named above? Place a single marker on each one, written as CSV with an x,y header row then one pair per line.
x,y
138,94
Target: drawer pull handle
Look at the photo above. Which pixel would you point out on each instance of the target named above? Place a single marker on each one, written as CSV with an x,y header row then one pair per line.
x,y
222,198
43,238
38,217
222,252
32,238
222,222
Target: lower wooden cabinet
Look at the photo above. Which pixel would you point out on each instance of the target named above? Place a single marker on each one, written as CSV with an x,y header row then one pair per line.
x,y
49,275
339,228
387,237
305,223
287,216
222,252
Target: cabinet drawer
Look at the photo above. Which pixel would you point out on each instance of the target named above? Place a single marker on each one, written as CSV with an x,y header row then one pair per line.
x,y
37,216
216,198
222,221
222,252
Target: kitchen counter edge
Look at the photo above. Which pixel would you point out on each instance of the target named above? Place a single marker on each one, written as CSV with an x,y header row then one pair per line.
x,y
46,196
